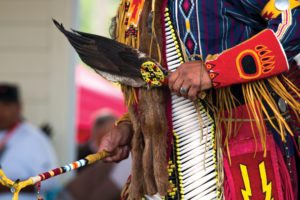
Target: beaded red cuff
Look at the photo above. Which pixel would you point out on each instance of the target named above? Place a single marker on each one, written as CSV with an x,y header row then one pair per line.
x,y
259,57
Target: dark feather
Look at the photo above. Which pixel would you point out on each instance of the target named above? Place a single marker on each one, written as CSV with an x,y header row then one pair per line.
x,y
113,60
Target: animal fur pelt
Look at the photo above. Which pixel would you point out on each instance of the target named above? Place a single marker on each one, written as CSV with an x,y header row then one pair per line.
x,y
148,115
149,166
147,108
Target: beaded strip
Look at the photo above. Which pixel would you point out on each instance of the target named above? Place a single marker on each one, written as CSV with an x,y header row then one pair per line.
x,y
177,164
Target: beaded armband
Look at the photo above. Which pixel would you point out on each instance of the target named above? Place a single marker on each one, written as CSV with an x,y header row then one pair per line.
x,y
259,57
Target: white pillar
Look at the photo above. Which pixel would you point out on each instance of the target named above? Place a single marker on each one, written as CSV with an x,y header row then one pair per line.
x,y
35,55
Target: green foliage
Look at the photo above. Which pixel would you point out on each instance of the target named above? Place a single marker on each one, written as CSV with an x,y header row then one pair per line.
x,y
86,8
92,13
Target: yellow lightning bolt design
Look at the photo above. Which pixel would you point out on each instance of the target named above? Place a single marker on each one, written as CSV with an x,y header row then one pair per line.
x,y
247,191
267,188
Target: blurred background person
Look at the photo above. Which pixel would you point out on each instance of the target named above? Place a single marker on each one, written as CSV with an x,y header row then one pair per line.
x,y
25,150
103,122
101,180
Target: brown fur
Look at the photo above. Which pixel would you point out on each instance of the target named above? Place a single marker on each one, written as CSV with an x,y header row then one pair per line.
x,y
149,178
137,179
149,143
158,23
154,124
145,38
149,168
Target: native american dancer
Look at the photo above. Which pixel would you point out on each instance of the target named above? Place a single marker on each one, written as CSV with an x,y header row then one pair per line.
x,y
225,127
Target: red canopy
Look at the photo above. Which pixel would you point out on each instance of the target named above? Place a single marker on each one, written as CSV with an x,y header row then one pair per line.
x,y
95,96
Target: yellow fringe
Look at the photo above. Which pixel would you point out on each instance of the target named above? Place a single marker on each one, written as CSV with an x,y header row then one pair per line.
x,y
255,95
154,35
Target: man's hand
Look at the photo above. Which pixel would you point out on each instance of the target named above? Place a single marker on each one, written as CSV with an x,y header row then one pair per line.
x,y
117,142
190,78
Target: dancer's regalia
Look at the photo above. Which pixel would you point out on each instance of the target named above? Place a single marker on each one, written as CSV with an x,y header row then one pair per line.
x,y
239,141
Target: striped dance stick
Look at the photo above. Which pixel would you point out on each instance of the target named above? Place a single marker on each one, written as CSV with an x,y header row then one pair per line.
x,y
17,186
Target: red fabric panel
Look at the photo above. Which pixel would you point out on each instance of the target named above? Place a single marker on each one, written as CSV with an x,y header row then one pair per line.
x,y
246,151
